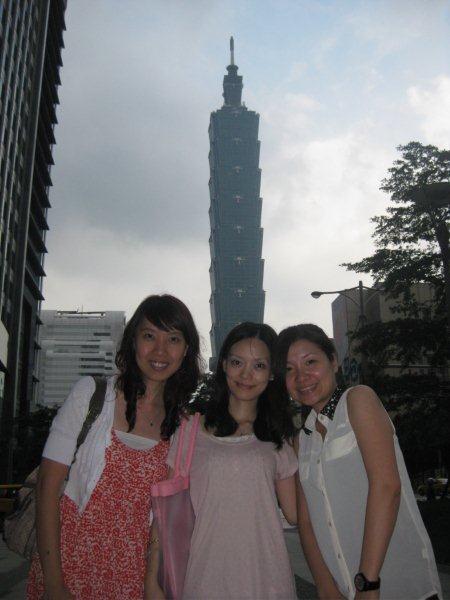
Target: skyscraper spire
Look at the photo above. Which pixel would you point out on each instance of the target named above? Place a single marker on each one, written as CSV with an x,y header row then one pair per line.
x,y
232,83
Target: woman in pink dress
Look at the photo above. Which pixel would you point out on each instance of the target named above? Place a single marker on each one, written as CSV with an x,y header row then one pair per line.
x,y
93,540
243,467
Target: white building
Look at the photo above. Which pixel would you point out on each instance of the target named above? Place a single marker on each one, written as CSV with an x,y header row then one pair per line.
x,y
74,344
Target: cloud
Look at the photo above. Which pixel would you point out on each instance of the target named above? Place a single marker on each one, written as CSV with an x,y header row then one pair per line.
x,y
134,159
319,195
432,104
390,26
106,271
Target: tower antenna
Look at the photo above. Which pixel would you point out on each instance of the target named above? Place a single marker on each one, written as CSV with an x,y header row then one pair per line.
x,y
232,50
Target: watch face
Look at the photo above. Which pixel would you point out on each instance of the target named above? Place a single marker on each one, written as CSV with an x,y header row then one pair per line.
x,y
360,582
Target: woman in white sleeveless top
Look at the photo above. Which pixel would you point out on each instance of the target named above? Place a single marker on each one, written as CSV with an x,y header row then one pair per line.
x,y
360,528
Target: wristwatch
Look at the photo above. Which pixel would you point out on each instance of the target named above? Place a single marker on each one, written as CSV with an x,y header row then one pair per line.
x,y
362,584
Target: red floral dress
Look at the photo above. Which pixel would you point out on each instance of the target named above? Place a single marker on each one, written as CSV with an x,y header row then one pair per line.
x,y
103,550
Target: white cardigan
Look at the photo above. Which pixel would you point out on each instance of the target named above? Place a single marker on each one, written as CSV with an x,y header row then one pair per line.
x,y
61,442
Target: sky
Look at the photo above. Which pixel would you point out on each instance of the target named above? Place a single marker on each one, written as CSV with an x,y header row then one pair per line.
x,y
338,85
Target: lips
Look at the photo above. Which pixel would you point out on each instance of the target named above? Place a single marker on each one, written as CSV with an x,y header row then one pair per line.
x,y
244,386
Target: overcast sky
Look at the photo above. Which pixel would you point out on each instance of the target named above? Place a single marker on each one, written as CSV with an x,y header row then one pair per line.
x,y
338,85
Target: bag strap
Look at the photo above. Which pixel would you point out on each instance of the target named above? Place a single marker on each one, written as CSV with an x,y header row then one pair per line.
x,y
95,408
190,450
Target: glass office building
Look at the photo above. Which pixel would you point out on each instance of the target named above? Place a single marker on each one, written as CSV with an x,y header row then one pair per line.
x,y
31,40
75,344
236,270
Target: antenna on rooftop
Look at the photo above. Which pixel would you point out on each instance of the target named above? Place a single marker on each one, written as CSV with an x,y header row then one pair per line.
x,y
232,50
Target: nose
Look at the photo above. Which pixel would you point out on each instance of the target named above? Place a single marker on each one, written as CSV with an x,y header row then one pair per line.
x,y
300,375
160,345
246,371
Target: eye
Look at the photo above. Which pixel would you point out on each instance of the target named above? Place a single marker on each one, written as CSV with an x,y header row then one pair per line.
x,y
148,335
234,362
310,361
261,366
289,369
175,338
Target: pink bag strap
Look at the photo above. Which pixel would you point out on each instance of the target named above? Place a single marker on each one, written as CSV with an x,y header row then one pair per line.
x,y
190,451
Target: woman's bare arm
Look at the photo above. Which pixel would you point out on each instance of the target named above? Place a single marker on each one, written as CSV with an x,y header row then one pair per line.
x,y
152,590
374,434
285,490
48,491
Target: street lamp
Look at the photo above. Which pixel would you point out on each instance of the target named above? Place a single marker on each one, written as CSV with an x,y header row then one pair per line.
x,y
360,303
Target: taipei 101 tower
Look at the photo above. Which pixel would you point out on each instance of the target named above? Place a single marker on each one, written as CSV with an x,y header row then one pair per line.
x,y
237,268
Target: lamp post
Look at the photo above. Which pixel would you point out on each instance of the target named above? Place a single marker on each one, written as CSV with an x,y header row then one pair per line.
x,y
360,303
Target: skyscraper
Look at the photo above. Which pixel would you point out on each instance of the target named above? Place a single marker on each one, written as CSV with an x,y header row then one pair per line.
x,y
30,58
236,270
75,344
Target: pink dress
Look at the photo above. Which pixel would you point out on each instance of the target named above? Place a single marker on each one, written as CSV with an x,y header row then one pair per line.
x,y
103,550
238,549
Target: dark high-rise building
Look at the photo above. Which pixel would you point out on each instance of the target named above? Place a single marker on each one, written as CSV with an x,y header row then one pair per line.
x,y
31,39
236,270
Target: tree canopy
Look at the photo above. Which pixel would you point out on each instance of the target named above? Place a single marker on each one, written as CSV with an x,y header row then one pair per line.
x,y
412,247
408,250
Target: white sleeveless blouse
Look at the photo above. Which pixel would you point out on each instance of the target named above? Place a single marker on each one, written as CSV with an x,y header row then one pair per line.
x,y
334,481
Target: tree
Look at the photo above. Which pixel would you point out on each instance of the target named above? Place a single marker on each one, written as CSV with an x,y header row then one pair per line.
x,y
412,246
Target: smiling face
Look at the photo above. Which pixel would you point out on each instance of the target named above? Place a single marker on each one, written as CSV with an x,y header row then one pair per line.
x,y
159,353
310,374
247,369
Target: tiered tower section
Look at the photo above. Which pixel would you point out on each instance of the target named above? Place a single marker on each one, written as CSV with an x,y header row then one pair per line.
x,y
237,269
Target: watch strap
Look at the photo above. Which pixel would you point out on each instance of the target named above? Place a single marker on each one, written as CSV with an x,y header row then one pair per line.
x,y
362,584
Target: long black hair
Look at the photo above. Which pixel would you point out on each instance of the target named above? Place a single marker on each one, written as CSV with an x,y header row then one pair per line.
x,y
167,313
274,413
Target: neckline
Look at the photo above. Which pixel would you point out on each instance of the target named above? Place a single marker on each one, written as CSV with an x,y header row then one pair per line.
x,y
141,450
225,440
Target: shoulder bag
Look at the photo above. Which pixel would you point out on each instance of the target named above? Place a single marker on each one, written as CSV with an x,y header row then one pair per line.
x,y
19,529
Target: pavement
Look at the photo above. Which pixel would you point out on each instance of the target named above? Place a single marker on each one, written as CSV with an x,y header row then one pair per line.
x,y
14,570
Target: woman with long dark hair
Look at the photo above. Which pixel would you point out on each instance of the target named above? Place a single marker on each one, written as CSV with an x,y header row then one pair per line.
x,y
360,528
93,540
242,467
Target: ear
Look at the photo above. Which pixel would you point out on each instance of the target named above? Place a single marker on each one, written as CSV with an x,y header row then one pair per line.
x,y
185,351
271,377
334,362
224,364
